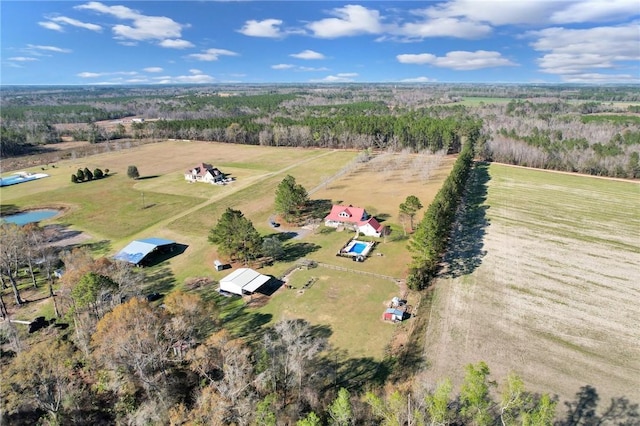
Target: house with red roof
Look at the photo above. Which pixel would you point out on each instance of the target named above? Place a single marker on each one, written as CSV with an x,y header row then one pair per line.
x,y
355,218
204,172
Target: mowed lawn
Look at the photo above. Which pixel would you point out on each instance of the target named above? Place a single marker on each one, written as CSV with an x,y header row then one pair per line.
x,y
349,304
552,291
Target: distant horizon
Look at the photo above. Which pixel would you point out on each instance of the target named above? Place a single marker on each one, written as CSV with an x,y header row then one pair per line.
x,y
115,43
355,83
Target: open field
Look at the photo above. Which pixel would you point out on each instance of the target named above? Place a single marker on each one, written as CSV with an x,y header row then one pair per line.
x,y
546,286
328,301
115,210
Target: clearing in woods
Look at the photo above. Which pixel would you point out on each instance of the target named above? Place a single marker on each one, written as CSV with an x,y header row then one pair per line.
x,y
544,282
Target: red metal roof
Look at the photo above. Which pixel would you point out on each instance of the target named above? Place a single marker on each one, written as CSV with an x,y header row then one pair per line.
x,y
347,214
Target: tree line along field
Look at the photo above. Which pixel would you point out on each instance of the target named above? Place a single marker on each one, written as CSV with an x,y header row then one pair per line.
x,y
117,209
544,282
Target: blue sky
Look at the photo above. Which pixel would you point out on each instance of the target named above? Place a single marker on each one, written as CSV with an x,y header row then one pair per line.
x,y
208,42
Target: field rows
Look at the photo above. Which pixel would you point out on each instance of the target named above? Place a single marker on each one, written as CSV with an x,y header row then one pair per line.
x,y
555,296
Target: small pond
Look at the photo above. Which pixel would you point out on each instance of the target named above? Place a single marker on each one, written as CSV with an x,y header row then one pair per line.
x,y
30,216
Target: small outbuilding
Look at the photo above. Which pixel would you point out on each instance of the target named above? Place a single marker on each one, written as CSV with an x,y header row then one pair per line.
x,y
139,250
218,265
393,314
243,281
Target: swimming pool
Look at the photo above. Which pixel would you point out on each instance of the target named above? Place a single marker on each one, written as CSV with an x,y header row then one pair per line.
x,y
20,178
358,248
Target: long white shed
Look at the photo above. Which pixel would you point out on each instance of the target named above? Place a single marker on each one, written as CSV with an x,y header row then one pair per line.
x,y
242,281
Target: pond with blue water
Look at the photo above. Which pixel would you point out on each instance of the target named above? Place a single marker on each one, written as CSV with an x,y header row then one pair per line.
x,y
30,216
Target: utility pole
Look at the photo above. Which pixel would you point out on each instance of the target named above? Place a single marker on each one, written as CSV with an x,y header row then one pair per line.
x,y
142,193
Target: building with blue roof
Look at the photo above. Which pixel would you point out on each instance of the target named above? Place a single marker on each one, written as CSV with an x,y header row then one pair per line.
x,y
139,250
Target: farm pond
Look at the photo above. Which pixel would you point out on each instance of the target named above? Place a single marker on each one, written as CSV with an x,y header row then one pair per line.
x,y
30,216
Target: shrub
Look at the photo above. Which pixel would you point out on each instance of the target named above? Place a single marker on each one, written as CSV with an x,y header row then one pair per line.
x,y
132,172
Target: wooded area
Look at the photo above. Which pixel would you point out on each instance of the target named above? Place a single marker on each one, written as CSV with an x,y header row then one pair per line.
x,y
588,130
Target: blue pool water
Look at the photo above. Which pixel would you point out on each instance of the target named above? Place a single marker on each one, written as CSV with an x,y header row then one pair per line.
x,y
12,180
358,248
19,178
31,216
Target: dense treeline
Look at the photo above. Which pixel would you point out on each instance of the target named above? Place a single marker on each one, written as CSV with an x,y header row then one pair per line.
x,y
559,135
569,128
60,114
416,130
430,239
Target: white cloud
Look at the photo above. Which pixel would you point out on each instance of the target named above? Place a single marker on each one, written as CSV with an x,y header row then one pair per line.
x,y
351,20
90,74
601,78
343,77
312,69
48,48
494,12
596,11
51,26
87,74
153,69
195,71
458,60
120,12
176,44
282,66
75,23
143,27
193,79
267,28
308,54
582,51
212,54
445,27
418,80
23,59
420,58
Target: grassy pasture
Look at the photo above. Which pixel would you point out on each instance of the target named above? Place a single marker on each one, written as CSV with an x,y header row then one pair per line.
x,y
552,290
351,305
478,100
111,210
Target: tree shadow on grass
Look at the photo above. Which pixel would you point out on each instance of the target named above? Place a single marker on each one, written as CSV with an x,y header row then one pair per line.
x,y
297,251
409,361
318,208
236,317
102,246
148,177
584,410
159,279
354,374
465,250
